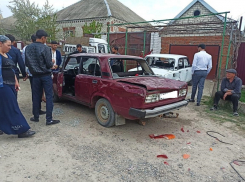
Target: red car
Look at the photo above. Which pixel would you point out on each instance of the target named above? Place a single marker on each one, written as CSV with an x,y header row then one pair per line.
x,y
103,82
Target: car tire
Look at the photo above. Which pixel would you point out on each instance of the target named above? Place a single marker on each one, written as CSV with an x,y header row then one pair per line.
x,y
104,113
55,97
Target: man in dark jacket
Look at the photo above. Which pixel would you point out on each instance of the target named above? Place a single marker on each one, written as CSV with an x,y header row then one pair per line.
x,y
39,61
79,49
16,57
56,55
231,87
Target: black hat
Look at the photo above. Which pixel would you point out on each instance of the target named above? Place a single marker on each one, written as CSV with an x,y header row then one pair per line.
x,y
231,71
53,42
41,33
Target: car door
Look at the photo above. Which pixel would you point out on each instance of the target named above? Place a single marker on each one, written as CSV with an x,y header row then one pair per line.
x,y
181,70
86,83
187,67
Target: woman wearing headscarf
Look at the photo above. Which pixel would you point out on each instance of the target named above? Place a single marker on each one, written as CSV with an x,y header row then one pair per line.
x,y
12,121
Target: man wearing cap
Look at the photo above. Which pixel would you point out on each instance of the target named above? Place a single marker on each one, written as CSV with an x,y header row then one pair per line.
x,y
38,59
56,56
201,66
231,87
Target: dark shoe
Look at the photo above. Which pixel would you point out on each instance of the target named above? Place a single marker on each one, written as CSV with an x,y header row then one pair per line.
x,y
1,132
42,112
34,119
26,134
235,114
214,108
198,104
191,100
52,122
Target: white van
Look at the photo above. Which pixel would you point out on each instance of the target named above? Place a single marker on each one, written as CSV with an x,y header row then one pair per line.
x,y
95,46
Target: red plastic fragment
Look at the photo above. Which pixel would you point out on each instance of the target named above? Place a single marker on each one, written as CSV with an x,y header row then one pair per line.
x,y
198,132
237,163
189,143
182,129
186,156
162,156
166,163
166,136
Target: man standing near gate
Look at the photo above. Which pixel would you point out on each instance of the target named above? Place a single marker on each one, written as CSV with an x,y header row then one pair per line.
x,y
201,66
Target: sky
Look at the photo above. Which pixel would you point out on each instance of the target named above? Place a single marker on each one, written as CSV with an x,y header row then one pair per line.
x,y
152,9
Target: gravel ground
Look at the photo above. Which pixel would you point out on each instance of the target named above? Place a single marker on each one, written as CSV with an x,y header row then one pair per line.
x,y
79,149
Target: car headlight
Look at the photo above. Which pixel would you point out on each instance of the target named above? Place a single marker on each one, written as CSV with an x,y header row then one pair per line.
x,y
182,92
152,98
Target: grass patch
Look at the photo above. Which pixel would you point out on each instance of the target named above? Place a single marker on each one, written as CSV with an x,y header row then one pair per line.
x,y
224,113
242,99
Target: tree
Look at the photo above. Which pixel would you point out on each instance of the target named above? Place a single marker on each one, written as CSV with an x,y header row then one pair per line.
x,y
29,18
2,31
93,28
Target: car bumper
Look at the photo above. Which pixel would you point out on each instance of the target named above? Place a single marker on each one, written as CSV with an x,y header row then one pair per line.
x,y
149,113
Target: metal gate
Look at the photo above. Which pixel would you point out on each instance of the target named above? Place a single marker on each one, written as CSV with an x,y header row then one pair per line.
x,y
241,63
190,50
134,44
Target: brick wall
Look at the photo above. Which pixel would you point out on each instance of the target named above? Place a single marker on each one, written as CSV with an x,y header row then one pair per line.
x,y
195,40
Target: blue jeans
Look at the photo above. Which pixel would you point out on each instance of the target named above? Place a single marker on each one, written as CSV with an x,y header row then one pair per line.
x,y
198,80
38,84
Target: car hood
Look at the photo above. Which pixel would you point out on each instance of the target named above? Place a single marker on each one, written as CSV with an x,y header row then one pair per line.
x,y
161,71
154,83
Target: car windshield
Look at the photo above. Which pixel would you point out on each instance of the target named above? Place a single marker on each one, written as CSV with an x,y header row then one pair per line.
x,y
73,62
129,68
165,63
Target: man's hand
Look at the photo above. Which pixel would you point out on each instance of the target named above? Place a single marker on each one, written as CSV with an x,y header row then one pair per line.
x,y
17,86
54,67
227,93
24,79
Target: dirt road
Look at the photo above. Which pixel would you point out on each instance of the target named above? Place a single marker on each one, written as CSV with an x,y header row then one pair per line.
x,y
79,149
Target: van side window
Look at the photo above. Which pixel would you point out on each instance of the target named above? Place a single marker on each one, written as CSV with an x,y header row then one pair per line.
x,y
101,48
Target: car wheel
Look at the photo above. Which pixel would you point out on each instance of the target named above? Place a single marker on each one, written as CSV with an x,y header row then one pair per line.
x,y
104,113
55,97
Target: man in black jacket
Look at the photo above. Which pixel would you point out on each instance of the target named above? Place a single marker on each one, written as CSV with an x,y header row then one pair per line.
x,y
39,61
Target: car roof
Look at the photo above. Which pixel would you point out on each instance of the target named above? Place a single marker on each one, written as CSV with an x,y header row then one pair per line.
x,y
101,55
175,56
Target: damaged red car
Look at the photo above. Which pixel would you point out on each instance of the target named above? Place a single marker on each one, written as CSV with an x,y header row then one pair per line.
x,y
104,82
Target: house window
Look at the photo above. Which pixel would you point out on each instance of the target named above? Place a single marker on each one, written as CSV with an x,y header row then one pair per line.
x,y
197,13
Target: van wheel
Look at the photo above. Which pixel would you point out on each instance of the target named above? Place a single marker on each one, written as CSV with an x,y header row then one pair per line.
x,y
104,113
55,97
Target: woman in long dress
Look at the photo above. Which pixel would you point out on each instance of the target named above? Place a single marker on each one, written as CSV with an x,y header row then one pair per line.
x,y
12,121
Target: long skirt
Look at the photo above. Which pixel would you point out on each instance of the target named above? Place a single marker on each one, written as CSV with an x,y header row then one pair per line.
x,y
12,120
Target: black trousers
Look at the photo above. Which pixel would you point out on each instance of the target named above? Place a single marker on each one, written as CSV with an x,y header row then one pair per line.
x,y
234,98
40,106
